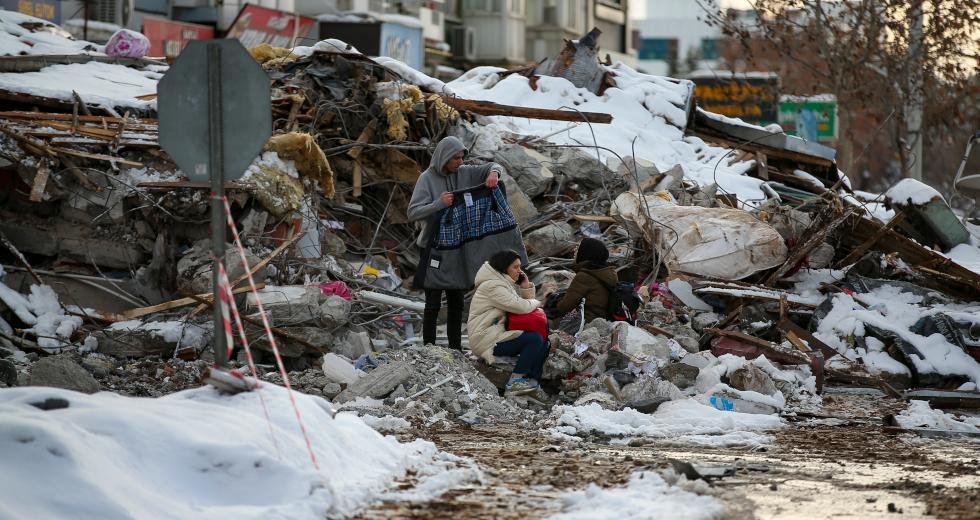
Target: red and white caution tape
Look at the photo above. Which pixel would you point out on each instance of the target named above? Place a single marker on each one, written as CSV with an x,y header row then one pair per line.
x,y
268,330
227,296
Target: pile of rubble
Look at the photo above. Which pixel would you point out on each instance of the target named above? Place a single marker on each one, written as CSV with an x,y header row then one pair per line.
x,y
105,251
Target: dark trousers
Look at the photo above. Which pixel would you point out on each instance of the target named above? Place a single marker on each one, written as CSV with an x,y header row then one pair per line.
x,y
454,316
531,351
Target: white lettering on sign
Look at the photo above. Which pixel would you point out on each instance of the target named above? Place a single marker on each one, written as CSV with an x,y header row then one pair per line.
x,y
398,48
279,23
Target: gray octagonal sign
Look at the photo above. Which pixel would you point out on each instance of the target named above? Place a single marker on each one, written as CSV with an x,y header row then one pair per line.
x,y
214,92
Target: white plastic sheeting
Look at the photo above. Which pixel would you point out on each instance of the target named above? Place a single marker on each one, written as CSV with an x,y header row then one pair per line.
x,y
729,244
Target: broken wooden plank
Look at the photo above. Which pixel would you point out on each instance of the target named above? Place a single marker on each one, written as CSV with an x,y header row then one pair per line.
x,y
170,185
815,239
36,62
788,327
40,181
97,157
594,218
358,179
49,116
753,293
79,174
488,108
172,304
363,138
859,251
954,279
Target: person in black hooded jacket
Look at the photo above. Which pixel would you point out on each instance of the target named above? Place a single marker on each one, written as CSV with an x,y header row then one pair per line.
x,y
593,281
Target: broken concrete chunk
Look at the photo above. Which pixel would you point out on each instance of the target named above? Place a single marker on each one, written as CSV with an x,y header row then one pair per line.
x,y
528,167
681,375
338,369
649,392
751,378
520,204
378,383
354,345
62,372
334,311
581,167
551,240
330,390
640,346
194,268
8,372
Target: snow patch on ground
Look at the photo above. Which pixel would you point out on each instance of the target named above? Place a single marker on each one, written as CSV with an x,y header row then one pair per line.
x,y
646,496
681,421
193,454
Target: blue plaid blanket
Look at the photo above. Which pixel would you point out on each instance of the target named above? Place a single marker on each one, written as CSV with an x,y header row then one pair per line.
x,y
483,213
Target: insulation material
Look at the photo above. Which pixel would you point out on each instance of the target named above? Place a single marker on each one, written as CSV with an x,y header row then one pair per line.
x,y
309,159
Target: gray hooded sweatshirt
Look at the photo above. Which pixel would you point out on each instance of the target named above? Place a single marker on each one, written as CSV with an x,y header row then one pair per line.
x,y
425,201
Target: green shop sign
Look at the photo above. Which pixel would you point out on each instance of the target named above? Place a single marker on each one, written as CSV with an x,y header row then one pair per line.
x,y
812,118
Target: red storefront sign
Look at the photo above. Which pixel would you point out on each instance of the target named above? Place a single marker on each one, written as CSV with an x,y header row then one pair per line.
x,y
255,25
168,38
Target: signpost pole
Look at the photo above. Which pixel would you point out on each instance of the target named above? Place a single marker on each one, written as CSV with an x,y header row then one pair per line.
x,y
216,169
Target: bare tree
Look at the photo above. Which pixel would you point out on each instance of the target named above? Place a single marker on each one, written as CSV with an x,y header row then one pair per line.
x,y
881,58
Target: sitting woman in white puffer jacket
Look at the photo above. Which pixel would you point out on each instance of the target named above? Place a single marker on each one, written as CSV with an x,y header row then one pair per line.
x,y
502,288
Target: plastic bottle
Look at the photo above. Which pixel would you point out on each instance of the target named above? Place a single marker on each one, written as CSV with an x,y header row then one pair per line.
x,y
731,404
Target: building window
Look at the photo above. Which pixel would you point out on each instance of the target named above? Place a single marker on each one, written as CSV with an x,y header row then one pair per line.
x,y
709,48
517,7
658,49
487,6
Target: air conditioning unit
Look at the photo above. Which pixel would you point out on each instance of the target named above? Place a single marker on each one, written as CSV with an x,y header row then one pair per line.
x,y
112,11
462,40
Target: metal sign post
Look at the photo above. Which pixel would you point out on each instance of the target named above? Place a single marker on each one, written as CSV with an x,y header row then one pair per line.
x,y
215,85
217,168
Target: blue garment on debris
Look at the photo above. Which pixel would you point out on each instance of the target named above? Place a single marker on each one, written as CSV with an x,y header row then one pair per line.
x,y
488,215
478,224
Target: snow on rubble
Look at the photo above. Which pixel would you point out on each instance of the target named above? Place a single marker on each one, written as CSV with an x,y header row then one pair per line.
x,y
647,495
196,454
896,311
648,117
41,309
97,83
21,34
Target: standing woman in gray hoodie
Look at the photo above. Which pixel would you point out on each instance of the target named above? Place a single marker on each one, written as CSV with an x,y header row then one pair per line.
x,y
433,193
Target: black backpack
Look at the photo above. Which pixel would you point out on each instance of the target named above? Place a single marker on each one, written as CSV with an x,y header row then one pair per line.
x,y
623,302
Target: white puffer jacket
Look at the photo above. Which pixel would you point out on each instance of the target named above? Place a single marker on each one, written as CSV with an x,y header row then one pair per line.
x,y
496,295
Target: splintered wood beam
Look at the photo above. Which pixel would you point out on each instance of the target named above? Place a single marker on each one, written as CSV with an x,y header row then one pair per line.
x,y
488,108
40,181
172,304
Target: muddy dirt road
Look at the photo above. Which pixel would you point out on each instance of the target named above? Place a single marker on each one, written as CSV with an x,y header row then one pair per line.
x,y
844,467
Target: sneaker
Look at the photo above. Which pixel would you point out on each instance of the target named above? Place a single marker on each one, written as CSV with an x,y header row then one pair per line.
x,y
520,386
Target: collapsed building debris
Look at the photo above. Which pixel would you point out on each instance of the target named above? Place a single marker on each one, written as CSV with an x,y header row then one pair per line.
x,y
763,278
